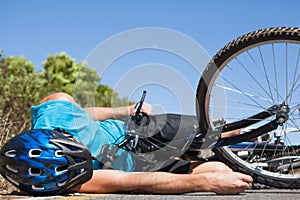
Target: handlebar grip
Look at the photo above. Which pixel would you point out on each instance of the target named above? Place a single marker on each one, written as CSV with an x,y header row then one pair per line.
x,y
139,105
139,116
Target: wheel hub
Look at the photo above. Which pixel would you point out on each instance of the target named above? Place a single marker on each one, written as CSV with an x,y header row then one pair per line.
x,y
282,113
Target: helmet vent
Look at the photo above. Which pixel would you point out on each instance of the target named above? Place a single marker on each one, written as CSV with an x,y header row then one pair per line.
x,y
35,171
59,153
12,180
61,184
11,153
61,169
35,153
37,187
11,168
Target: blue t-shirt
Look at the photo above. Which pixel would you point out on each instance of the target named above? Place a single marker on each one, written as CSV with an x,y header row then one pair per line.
x,y
94,134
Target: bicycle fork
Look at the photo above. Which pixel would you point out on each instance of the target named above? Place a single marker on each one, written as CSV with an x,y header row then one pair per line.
x,y
281,112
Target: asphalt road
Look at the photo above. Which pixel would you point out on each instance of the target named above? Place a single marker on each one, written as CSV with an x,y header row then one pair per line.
x,y
264,194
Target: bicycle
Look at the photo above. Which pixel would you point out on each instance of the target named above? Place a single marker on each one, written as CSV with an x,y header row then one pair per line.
x,y
246,83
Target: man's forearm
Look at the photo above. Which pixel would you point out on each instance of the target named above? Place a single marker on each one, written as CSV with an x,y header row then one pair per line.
x,y
165,183
103,113
110,181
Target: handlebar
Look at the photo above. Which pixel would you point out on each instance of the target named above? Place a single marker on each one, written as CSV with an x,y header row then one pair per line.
x,y
138,106
136,120
138,116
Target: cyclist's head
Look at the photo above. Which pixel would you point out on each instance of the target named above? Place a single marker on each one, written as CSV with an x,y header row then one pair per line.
x,y
45,162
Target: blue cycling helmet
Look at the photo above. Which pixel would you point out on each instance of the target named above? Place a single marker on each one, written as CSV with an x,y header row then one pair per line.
x,y
45,162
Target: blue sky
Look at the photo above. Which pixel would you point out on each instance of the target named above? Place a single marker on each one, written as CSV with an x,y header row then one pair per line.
x,y
35,29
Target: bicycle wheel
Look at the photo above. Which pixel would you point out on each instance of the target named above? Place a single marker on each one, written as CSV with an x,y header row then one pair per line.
x,y
248,76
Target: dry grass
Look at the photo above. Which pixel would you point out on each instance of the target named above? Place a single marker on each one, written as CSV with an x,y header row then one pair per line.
x,y
7,131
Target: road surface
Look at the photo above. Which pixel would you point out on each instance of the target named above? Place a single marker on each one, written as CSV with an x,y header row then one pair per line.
x,y
264,194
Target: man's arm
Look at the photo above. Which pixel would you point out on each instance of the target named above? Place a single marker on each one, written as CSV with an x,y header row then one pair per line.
x,y
103,113
100,113
113,181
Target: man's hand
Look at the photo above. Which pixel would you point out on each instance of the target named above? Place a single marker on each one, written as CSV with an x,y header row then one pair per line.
x,y
146,108
227,182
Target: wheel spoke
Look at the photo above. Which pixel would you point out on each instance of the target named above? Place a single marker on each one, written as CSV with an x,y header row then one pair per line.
x,y
265,71
275,71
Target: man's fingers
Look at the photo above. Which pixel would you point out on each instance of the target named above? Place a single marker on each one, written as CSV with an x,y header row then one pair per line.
x,y
246,178
147,108
245,185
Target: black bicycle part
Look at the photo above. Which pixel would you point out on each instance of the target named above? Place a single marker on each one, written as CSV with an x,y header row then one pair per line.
x,y
139,117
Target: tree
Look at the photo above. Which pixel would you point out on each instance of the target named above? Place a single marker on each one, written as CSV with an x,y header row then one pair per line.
x,y
85,86
106,97
19,90
63,74
60,72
